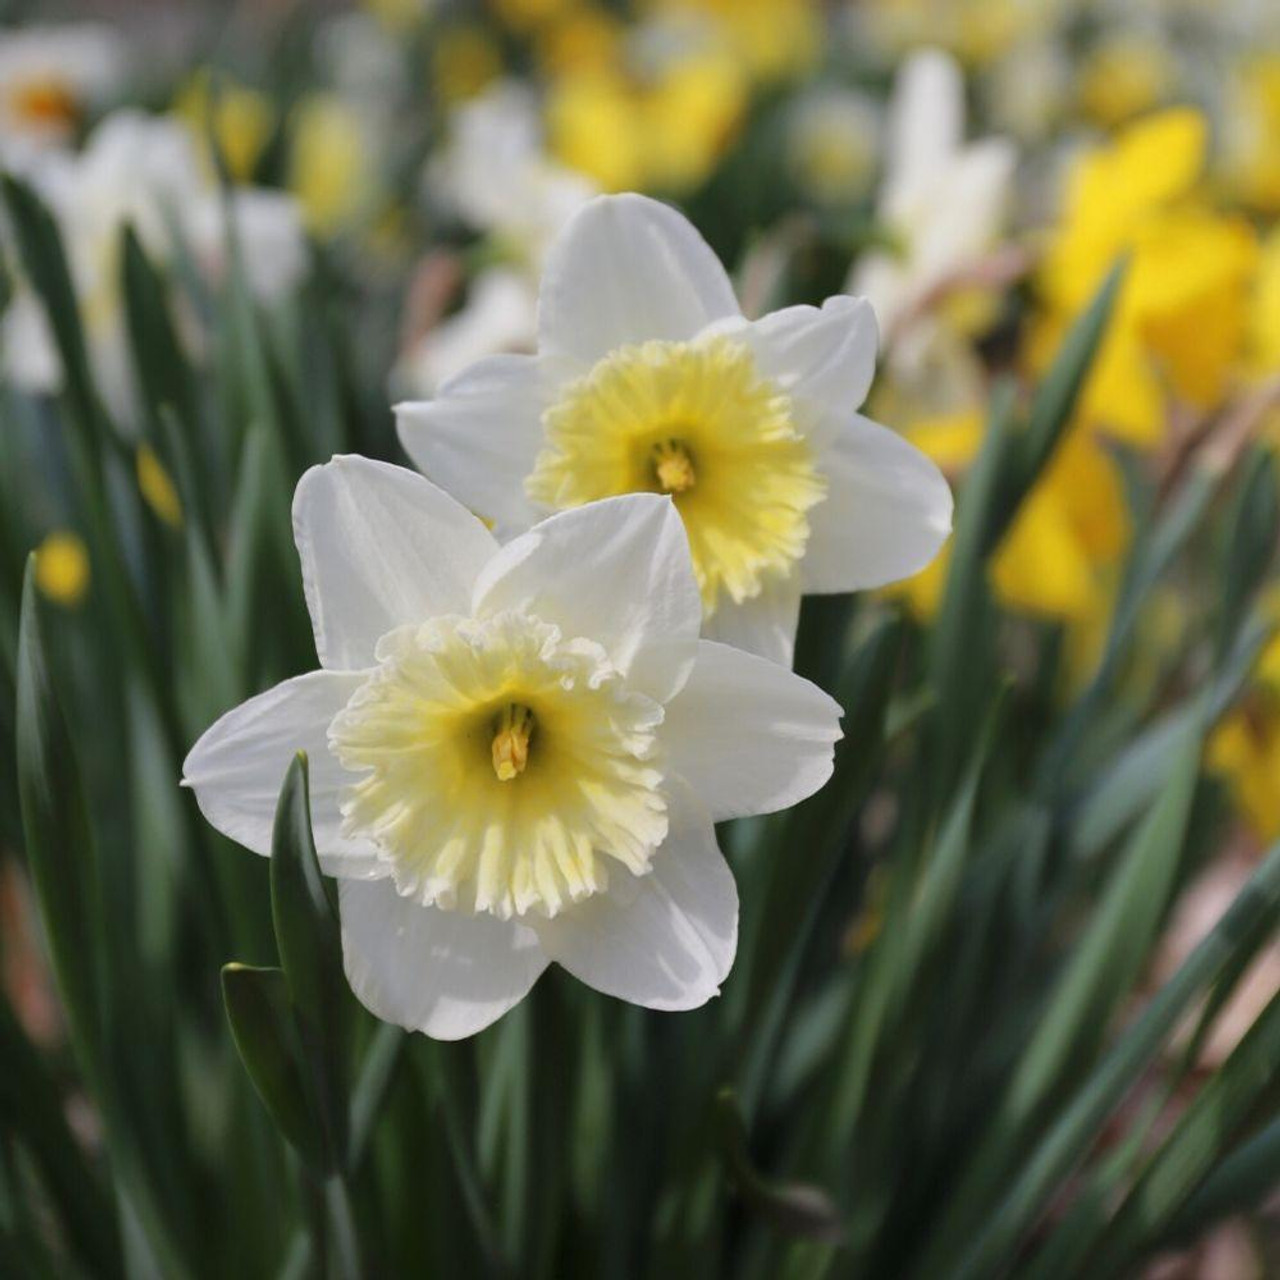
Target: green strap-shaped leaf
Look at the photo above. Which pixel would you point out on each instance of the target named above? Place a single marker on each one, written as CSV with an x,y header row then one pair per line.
x,y
158,358
306,924
1197,1143
1252,542
261,1018
310,947
60,850
1055,400
46,267
977,1235
797,1209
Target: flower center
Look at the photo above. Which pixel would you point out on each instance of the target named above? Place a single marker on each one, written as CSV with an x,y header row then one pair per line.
x,y
697,421
499,766
45,103
512,731
672,467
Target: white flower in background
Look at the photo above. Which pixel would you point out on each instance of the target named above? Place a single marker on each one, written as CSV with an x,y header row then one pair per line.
x,y
141,171
51,78
649,379
495,176
942,201
833,137
517,753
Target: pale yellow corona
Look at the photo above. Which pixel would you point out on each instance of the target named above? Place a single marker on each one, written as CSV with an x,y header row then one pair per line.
x,y
505,766
695,420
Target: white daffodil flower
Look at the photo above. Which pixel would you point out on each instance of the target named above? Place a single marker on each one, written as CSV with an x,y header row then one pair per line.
x,y
140,171
942,201
517,752
649,379
495,176
50,79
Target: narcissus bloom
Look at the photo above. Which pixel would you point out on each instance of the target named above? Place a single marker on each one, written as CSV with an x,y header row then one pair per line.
x,y
517,753
50,79
649,379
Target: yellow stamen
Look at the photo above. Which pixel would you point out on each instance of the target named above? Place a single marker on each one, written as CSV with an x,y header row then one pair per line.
x,y
673,467
511,741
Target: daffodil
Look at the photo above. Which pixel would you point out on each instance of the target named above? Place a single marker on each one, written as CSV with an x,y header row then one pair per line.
x,y
51,78
1179,325
649,379
143,172
1060,558
517,753
833,136
1245,747
942,201
659,114
494,175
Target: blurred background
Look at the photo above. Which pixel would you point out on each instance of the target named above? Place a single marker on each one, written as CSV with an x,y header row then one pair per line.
x,y
331,207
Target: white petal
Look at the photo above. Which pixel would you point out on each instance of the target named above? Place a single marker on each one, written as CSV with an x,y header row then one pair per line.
x,y
665,940
238,766
500,317
380,546
764,624
826,355
626,269
749,736
446,973
616,571
269,232
886,514
926,117
977,183
480,436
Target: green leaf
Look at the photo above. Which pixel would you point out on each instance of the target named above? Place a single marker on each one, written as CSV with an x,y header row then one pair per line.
x,y
796,1209
1206,1129
310,946
306,923
60,849
1246,1177
1055,399
261,1018
158,358
46,266
1109,958
1251,544
977,1235
961,647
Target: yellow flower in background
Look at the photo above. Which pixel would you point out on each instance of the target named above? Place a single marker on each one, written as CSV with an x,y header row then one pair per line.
x,y
1245,747
976,31
1179,325
241,119
464,60
1127,73
582,40
1264,323
770,39
525,15
398,15
327,163
62,568
1058,558
1251,132
594,126
663,132
157,488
